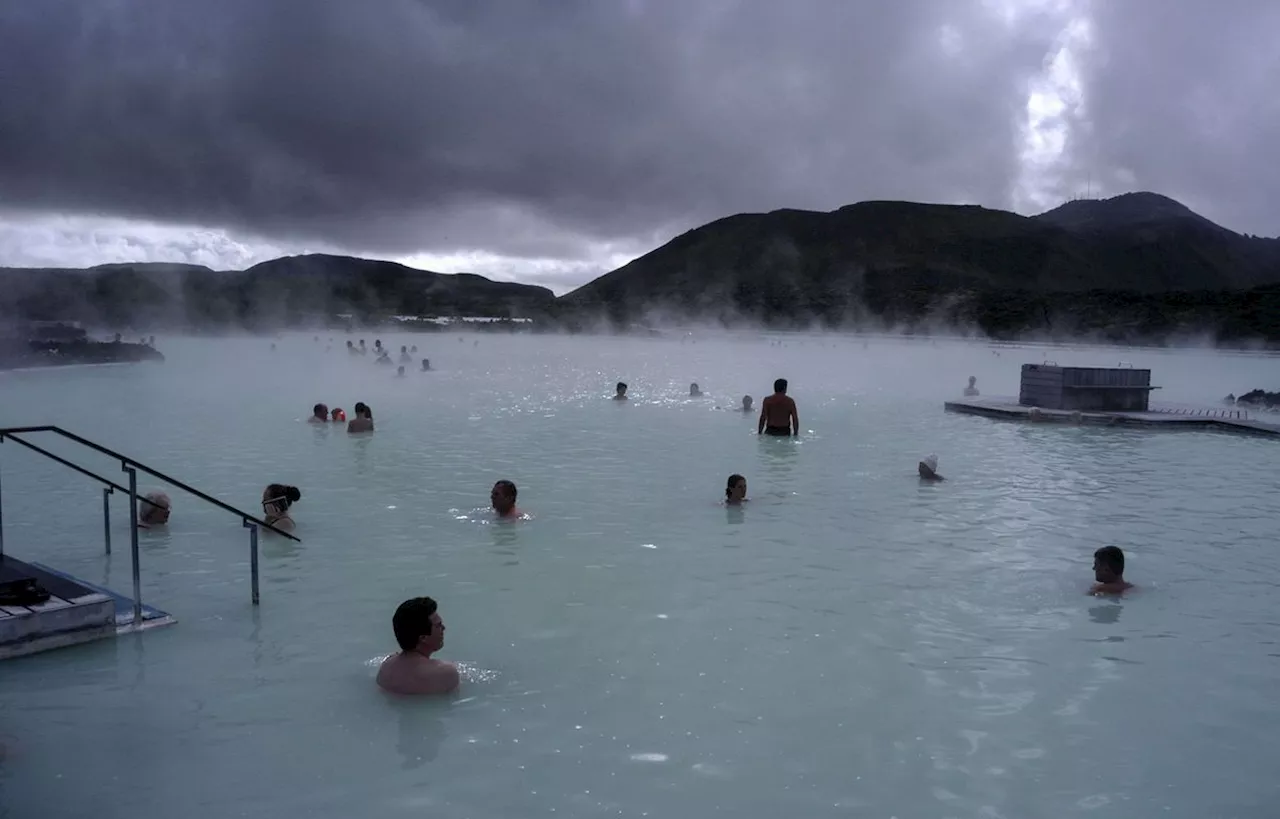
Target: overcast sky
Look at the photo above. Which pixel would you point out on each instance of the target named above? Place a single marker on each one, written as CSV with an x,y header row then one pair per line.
x,y
550,141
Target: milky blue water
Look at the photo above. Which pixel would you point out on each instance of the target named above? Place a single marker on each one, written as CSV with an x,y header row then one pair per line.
x,y
851,643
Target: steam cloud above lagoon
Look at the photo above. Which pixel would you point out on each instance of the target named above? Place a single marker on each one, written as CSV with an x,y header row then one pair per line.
x,y
550,142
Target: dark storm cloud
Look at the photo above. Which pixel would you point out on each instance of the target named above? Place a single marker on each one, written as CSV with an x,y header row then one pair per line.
x,y
521,127
1181,99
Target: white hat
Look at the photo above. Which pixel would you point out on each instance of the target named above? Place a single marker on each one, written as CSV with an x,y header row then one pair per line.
x,y
931,461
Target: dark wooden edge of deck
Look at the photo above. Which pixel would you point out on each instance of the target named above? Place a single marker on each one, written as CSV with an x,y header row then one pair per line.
x,y
1113,418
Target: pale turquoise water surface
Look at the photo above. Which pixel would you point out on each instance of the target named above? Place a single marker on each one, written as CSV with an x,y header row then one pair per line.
x,y
851,644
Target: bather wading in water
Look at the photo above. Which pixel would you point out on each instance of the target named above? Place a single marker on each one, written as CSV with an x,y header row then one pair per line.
x,y
363,421
972,389
503,500
735,490
153,510
276,501
746,403
319,414
778,415
412,670
928,469
1108,571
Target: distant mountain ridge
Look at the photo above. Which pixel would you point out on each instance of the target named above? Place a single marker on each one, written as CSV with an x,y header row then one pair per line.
x,y
1137,266
911,263
1126,211
289,291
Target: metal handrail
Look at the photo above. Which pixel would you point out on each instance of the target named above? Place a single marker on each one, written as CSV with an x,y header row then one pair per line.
x,y
132,467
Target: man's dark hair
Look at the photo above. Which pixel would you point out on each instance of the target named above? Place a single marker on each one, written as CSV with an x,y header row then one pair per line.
x,y
506,486
412,620
780,385
622,385
1111,556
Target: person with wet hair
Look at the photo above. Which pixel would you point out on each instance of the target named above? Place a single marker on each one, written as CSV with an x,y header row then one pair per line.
x,y
620,392
319,414
778,415
363,421
503,500
746,403
735,490
153,510
1108,572
277,499
412,670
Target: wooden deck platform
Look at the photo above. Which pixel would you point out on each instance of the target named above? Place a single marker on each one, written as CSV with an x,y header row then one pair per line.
x,y
1165,416
76,612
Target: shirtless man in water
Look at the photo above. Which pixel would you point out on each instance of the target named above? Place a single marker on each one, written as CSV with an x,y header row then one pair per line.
x,y
1108,571
420,633
503,499
778,414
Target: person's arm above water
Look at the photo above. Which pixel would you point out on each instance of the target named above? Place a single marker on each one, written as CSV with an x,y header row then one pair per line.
x,y
795,419
764,411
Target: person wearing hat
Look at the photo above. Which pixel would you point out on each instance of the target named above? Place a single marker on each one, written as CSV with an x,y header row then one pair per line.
x,y
929,469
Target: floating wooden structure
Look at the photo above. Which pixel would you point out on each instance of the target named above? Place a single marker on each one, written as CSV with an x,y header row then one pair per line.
x,y
1107,396
1166,417
1092,389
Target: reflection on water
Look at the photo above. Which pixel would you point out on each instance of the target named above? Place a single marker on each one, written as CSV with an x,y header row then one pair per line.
x,y
927,650
420,732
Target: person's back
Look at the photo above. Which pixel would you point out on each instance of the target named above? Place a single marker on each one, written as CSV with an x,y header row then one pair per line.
x,y
410,673
778,415
363,422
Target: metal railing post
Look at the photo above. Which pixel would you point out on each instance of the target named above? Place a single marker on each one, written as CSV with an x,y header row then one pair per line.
x,y
133,545
106,517
253,557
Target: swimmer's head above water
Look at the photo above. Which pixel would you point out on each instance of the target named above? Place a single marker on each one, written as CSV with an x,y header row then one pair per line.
x,y
621,392
928,469
319,414
1108,571
426,364
277,499
694,390
503,499
746,403
338,414
419,633
735,490
156,511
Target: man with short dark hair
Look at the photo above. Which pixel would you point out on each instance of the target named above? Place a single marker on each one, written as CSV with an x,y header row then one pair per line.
x,y
420,633
503,499
778,414
1108,571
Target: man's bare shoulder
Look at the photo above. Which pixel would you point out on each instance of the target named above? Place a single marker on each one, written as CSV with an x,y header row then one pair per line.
x,y
405,674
